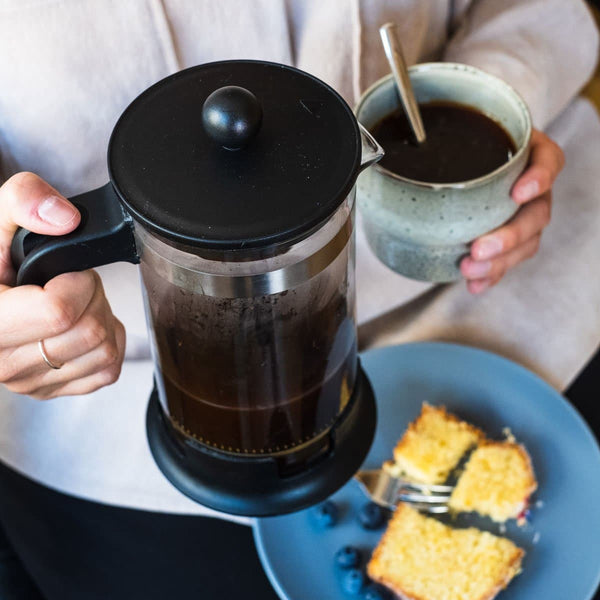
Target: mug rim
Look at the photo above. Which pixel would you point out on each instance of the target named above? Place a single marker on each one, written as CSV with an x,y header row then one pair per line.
x,y
468,183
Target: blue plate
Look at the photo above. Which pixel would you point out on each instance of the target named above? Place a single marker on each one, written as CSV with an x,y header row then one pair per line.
x,y
562,540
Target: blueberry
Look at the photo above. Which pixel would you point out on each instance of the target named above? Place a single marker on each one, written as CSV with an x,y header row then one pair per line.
x,y
375,593
353,581
347,557
325,514
371,516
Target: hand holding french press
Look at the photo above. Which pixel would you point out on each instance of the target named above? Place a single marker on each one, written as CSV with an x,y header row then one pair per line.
x,y
243,228
61,339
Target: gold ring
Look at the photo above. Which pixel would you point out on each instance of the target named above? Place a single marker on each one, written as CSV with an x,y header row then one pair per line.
x,y
45,356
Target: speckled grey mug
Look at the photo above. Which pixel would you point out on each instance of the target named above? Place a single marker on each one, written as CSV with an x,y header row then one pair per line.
x,y
420,229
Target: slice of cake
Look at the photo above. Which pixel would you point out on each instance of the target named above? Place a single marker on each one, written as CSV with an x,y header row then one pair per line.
x,y
420,558
497,482
433,445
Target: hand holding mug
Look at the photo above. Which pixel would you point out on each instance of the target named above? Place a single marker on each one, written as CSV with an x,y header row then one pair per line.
x,y
496,252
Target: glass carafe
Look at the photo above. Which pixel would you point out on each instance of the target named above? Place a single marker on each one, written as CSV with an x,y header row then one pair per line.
x,y
254,354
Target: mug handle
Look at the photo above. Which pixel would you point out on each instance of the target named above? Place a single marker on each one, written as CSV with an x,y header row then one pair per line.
x,y
104,236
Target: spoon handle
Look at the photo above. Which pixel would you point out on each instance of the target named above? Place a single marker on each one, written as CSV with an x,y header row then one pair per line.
x,y
393,51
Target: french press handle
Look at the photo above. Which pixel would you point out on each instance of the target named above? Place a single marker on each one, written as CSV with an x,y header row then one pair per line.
x,y
104,236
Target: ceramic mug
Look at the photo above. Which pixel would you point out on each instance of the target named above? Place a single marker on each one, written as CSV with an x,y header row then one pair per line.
x,y
420,229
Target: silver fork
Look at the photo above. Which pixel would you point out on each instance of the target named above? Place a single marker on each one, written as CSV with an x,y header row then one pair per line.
x,y
387,490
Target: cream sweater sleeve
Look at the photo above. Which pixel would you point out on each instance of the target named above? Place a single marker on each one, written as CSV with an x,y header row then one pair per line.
x,y
546,49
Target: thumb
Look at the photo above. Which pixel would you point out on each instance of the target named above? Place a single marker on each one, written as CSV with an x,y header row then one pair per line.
x,y
28,201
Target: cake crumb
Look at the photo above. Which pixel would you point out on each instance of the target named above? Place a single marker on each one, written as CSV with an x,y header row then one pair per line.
x,y
508,435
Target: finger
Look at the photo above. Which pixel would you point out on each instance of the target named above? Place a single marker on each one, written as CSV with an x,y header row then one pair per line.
x,y
120,336
528,222
86,385
106,360
91,383
30,313
478,286
28,201
494,270
98,359
120,339
545,163
94,328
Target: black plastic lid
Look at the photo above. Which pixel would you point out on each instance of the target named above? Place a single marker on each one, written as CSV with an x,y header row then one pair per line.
x,y
298,160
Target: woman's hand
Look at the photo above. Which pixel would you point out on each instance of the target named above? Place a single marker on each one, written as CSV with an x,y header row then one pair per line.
x,y
496,252
70,313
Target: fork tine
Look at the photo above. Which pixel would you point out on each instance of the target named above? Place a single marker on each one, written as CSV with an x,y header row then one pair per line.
x,y
441,489
386,490
368,476
424,498
438,509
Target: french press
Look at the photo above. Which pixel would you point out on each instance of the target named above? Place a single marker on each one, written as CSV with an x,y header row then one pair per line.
x,y
232,185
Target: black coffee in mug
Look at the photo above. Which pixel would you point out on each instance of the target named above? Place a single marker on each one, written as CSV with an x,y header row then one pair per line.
x,y
462,144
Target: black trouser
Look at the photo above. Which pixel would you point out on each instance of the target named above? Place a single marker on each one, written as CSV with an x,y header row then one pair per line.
x,y
79,550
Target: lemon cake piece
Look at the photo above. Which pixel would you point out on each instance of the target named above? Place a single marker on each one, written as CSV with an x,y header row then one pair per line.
x,y
433,445
420,558
497,481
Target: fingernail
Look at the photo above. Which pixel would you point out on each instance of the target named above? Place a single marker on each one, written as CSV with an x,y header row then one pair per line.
x,y
56,211
528,191
487,248
476,269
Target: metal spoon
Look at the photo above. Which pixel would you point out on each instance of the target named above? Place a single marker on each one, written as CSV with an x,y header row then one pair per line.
x,y
393,51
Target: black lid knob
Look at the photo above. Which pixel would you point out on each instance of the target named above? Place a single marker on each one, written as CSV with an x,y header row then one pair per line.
x,y
232,116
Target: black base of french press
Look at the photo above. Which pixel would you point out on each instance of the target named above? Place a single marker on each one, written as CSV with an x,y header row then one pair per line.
x,y
259,486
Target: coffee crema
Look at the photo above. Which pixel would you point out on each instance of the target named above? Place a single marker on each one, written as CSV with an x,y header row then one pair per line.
x,y
462,144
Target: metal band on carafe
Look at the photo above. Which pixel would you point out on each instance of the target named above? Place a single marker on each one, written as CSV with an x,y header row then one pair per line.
x,y
248,286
